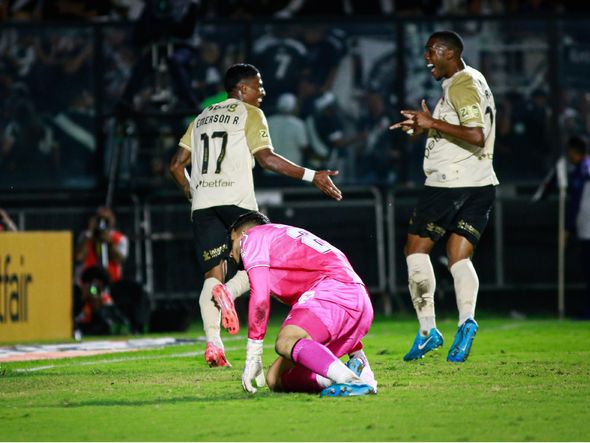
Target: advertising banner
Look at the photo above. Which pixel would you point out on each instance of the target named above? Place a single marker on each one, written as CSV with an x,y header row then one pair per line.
x,y
35,286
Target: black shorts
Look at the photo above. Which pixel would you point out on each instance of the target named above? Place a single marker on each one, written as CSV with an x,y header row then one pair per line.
x,y
211,234
464,211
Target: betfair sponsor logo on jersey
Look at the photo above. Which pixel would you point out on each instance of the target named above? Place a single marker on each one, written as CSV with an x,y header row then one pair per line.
x,y
218,183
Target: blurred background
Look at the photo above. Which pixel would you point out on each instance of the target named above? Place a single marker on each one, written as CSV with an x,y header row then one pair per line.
x,y
95,95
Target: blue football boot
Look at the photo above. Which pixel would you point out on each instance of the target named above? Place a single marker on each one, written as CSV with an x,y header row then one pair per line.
x,y
422,345
347,390
463,340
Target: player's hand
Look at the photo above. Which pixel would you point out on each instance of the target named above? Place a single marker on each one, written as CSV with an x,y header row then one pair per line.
x,y
324,183
416,121
253,371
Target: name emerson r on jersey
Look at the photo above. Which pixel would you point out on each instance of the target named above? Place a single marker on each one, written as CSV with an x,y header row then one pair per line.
x,y
219,118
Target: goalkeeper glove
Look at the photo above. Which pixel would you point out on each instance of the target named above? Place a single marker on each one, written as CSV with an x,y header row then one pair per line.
x,y
253,369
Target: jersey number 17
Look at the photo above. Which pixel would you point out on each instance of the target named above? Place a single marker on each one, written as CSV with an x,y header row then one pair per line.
x,y
205,139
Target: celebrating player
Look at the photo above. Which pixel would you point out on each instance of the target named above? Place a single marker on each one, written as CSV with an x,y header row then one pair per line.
x,y
220,145
330,310
460,190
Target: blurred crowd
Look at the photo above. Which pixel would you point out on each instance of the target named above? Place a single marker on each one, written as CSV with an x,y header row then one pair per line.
x,y
332,89
240,9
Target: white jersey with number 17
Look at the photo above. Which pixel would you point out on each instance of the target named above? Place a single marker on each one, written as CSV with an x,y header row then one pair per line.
x,y
223,140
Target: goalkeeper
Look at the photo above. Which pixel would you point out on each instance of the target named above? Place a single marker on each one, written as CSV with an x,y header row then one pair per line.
x,y
330,310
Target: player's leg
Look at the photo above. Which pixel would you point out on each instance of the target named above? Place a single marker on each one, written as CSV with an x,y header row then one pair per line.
x,y
238,284
285,376
224,296
211,244
422,284
318,331
471,221
429,222
294,343
466,284
211,316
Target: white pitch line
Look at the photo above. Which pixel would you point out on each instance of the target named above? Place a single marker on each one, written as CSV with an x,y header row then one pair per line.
x,y
122,360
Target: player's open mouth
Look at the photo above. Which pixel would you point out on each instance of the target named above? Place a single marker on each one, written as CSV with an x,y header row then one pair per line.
x,y
431,67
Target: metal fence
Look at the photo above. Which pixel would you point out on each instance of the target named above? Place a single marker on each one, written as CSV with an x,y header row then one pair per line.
x,y
517,256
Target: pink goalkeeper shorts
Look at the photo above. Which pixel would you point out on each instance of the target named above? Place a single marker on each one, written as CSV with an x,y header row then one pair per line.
x,y
333,313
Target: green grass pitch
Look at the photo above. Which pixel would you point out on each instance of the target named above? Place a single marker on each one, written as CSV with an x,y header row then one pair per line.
x,y
526,380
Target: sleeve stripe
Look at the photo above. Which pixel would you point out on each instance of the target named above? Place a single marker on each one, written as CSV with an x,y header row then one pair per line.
x,y
185,146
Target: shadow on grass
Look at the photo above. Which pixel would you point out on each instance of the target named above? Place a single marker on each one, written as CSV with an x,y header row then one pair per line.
x,y
168,401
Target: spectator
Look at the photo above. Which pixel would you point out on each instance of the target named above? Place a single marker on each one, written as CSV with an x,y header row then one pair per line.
x,y
326,47
288,131
379,159
102,245
74,129
27,145
330,137
94,310
578,206
282,58
158,24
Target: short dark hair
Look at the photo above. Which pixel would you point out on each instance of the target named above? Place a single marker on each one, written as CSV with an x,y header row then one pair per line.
x,y
450,39
249,218
579,144
236,73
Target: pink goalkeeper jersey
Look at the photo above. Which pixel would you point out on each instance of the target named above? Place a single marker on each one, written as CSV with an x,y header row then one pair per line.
x,y
286,261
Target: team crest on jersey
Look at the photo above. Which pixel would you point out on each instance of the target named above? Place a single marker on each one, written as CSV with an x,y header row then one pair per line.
x,y
470,112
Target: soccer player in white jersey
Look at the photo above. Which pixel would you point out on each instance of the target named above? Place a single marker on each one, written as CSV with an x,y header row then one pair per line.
x,y
221,145
459,192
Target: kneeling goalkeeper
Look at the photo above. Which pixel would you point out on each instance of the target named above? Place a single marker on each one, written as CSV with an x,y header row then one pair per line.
x,y
330,310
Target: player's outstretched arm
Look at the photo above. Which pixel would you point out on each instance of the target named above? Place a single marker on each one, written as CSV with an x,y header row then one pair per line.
x,y
279,164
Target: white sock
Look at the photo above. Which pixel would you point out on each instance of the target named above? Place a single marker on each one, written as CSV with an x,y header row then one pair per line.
x,y
210,313
422,283
338,372
238,284
466,287
367,375
323,381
